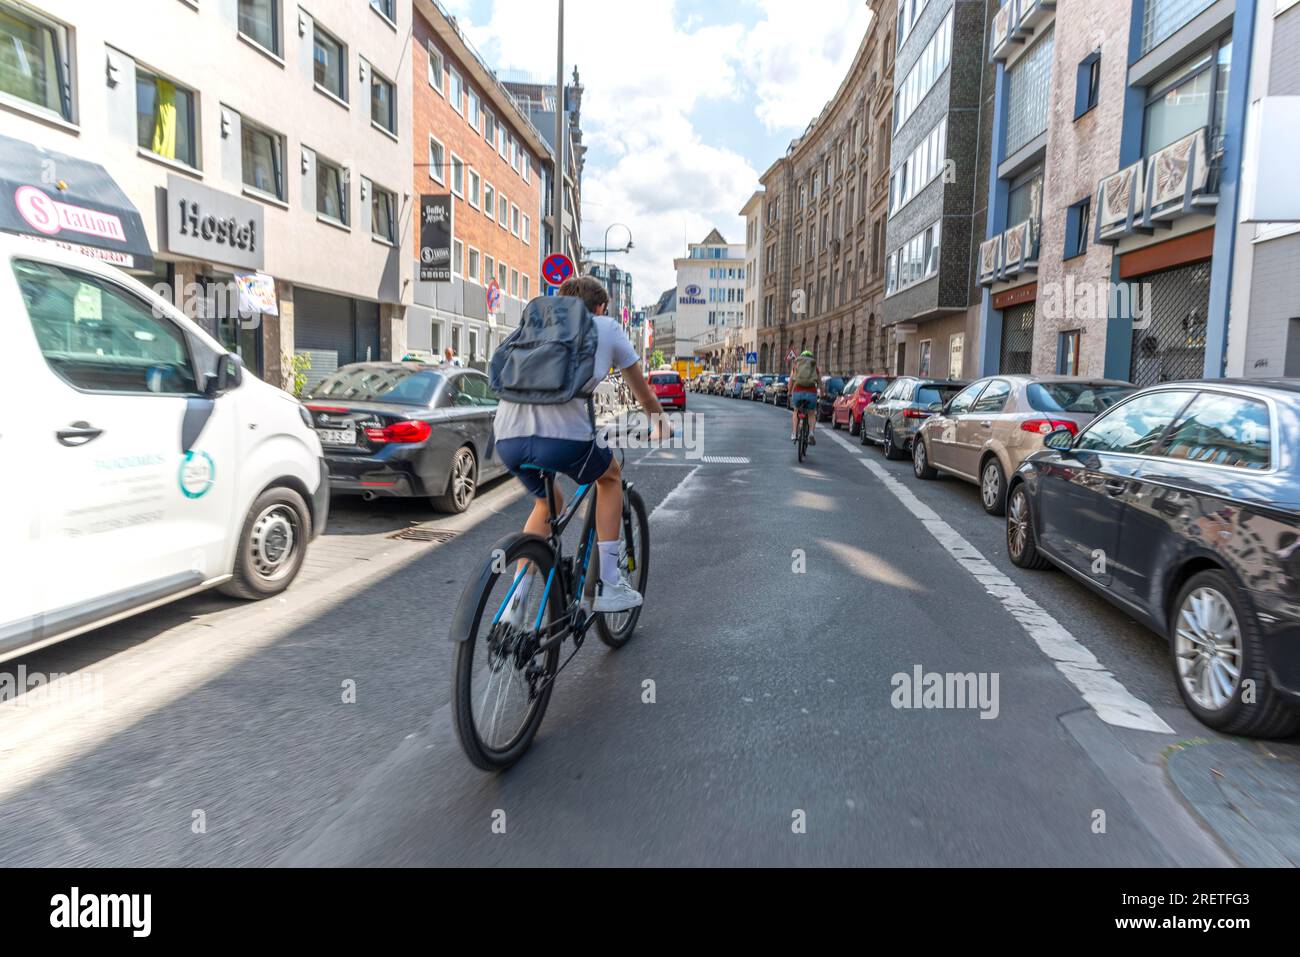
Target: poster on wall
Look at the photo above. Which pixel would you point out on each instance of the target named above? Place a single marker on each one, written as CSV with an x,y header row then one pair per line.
x,y
436,227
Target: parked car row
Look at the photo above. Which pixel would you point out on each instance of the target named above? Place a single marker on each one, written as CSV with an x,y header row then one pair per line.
x,y
1179,503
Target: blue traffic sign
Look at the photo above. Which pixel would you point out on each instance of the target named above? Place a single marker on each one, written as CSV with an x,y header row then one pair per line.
x,y
557,268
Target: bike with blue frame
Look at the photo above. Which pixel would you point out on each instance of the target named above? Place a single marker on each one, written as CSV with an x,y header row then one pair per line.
x,y
507,653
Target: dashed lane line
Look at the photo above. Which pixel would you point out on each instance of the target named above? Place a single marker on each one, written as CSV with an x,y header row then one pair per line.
x,y
1104,693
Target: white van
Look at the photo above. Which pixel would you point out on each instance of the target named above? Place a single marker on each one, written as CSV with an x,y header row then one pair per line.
x,y
139,462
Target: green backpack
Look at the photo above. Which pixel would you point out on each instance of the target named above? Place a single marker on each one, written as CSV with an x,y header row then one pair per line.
x,y
805,372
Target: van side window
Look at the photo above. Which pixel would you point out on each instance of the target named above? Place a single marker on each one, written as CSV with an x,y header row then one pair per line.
x,y
101,338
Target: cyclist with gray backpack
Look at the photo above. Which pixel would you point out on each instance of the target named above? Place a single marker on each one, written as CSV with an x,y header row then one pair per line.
x,y
545,374
805,385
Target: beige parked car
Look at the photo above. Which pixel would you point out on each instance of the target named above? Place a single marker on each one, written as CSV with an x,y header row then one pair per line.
x,y
990,427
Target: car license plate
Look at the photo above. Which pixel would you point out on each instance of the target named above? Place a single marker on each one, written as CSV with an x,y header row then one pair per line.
x,y
342,436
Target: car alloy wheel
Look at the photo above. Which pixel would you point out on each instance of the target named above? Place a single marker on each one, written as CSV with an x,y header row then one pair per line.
x,y
1017,524
272,541
462,479
1208,648
991,487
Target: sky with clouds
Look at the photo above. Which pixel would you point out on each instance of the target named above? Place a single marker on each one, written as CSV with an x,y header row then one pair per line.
x,y
686,103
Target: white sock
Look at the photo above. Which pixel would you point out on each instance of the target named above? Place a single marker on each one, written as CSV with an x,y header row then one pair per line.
x,y
609,570
520,596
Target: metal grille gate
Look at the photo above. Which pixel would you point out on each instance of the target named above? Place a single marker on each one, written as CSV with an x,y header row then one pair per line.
x,y
1170,345
1017,339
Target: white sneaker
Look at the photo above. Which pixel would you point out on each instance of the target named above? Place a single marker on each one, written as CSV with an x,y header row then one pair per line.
x,y
617,597
793,436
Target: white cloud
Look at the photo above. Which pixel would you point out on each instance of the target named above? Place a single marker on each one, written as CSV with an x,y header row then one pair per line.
x,y
646,68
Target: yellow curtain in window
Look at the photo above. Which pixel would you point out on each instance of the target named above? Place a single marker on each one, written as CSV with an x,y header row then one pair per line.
x,y
164,122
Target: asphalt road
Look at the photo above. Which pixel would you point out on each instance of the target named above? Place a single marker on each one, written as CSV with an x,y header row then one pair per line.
x,y
783,600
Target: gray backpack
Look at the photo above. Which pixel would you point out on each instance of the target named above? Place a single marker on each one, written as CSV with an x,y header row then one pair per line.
x,y
551,357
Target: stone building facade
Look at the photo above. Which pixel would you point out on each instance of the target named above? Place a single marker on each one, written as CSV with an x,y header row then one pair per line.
x,y
822,261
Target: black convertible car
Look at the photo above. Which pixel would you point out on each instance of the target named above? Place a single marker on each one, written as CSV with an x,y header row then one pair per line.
x,y
1182,506
407,429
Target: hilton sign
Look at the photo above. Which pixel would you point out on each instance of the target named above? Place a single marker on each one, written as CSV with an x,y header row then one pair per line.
x,y
207,224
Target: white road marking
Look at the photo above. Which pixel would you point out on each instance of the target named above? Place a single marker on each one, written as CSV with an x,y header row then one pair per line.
x,y
1113,703
676,491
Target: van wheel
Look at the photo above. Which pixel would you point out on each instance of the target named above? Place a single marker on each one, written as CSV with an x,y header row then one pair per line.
x,y
1219,662
272,545
462,483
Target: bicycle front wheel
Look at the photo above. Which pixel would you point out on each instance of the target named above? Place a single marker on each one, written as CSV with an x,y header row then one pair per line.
x,y
615,628
501,685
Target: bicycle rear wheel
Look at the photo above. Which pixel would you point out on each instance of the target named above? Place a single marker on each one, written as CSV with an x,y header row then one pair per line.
x,y
803,436
499,690
615,628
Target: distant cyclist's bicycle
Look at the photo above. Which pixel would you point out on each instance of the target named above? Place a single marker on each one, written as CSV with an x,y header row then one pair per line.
x,y
505,669
801,435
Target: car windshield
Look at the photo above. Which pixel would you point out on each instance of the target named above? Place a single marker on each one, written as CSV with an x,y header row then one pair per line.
x,y
935,395
1090,398
401,386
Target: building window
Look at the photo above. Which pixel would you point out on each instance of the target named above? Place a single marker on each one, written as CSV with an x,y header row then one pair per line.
x,y
1087,86
1067,352
164,117
457,257
385,8
489,126
457,176
916,172
34,61
259,21
456,91
502,275
909,11
263,159
489,200
527,231
1161,19
514,283
523,287
1192,96
437,161
383,214
331,191
514,220
383,104
472,112
330,63
473,264
474,184
1028,90
489,269
503,211
1078,220
924,367
915,261
927,69
436,68
1025,197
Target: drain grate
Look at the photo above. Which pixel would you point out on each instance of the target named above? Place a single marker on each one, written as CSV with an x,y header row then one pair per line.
x,y
726,460
418,534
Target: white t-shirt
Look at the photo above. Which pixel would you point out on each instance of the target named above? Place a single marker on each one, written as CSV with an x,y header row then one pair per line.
x,y
570,420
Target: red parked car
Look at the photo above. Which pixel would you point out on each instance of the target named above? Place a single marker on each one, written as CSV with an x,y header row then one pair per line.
x,y
861,391
669,389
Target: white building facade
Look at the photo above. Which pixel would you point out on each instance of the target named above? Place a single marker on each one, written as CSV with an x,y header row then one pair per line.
x,y
278,145
755,238
711,301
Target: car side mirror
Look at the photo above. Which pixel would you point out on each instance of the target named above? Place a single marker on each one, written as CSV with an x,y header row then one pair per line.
x,y
229,374
1061,440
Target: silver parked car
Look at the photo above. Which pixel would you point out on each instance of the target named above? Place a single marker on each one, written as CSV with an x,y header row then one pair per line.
x,y
994,424
894,418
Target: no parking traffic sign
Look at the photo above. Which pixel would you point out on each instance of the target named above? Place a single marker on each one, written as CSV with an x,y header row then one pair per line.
x,y
557,268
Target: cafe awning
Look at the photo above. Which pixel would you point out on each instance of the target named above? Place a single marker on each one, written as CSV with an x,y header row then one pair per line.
x,y
69,201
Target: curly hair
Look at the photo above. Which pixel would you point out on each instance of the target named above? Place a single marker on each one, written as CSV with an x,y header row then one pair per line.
x,y
587,288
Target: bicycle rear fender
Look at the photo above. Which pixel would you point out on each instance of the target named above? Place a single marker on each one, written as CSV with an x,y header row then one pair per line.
x,y
465,621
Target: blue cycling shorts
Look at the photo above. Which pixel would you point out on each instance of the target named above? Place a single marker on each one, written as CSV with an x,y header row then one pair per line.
x,y
584,462
804,400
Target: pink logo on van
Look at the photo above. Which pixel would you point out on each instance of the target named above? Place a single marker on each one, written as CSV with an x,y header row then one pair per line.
x,y
49,216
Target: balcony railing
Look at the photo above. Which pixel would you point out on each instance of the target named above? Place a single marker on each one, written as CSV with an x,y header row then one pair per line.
x,y
1171,183
1009,255
1015,23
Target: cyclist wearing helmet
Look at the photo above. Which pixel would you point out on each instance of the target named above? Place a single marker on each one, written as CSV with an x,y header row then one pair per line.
x,y
805,384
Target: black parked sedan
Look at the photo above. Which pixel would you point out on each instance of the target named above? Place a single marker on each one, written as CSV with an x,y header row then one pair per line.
x,y
1182,506
406,429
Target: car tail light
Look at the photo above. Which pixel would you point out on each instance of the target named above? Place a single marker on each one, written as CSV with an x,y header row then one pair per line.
x,y
915,414
326,408
401,432
1048,426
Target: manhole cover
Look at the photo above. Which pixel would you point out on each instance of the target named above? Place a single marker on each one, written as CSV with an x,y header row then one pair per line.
x,y
417,534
